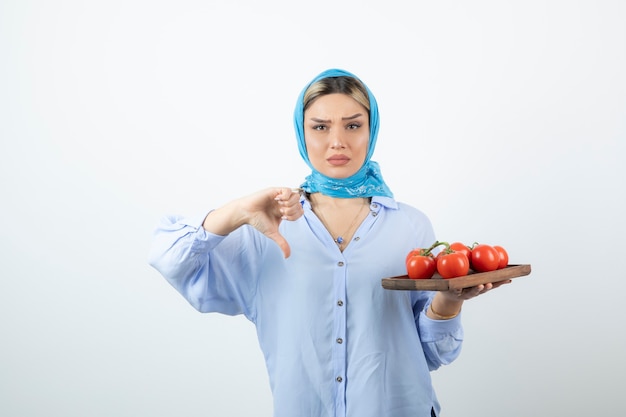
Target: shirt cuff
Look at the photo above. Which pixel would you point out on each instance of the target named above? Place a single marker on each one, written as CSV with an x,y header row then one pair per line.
x,y
433,330
203,241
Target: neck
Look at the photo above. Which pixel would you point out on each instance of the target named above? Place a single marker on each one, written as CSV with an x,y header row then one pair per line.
x,y
340,216
322,200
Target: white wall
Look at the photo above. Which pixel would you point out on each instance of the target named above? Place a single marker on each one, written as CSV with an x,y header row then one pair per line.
x,y
504,121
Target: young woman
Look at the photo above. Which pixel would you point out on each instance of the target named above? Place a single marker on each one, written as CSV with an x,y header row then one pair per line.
x,y
305,266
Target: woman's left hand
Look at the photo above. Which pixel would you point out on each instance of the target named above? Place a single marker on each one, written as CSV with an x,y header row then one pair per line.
x,y
471,292
448,304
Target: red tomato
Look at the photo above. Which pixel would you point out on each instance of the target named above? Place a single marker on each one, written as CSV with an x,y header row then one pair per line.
x,y
420,266
463,248
504,256
451,265
417,252
485,258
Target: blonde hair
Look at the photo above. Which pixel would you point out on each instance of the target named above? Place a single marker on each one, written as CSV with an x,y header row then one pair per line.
x,y
337,85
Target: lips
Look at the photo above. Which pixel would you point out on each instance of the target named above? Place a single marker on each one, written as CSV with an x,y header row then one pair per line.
x,y
338,160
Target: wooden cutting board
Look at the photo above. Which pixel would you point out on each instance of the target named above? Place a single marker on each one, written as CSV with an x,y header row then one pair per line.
x,y
437,283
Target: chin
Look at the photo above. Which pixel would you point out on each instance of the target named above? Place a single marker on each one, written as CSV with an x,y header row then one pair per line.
x,y
339,174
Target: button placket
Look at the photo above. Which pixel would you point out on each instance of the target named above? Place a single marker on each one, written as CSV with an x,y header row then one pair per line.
x,y
374,209
340,339
339,331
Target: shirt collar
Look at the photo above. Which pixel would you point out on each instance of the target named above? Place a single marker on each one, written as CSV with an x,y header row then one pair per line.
x,y
388,202
377,203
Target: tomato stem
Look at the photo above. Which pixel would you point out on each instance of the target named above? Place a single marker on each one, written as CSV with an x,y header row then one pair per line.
x,y
434,245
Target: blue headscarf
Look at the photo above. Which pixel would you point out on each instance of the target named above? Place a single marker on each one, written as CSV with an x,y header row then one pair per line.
x,y
368,180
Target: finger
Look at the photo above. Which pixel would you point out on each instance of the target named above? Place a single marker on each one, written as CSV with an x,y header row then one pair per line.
x,y
290,208
284,193
482,288
291,213
499,283
471,292
282,243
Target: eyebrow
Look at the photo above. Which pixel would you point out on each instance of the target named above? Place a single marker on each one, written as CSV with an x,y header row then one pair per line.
x,y
355,116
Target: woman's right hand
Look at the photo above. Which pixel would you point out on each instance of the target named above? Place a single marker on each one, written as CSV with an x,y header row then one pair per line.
x,y
263,210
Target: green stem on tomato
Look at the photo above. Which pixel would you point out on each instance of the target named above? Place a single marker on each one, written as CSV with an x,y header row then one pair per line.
x,y
438,243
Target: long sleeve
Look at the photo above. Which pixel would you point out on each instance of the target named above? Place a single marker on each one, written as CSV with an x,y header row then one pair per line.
x,y
330,334
441,339
213,273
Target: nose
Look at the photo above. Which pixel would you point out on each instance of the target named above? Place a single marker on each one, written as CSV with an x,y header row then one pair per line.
x,y
336,140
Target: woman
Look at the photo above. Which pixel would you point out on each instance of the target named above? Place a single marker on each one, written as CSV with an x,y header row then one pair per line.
x,y
305,266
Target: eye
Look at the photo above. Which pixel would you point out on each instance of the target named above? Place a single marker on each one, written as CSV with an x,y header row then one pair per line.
x,y
318,127
353,126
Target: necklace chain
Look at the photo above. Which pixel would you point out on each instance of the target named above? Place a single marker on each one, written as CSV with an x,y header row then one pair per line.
x,y
339,240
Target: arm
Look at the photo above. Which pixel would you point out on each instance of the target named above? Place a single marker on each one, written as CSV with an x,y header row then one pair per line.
x,y
447,304
205,259
440,326
263,210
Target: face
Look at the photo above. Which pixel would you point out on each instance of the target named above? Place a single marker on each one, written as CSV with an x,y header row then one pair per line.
x,y
336,133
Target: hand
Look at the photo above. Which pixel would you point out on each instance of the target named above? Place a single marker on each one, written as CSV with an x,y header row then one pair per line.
x,y
449,303
266,209
471,292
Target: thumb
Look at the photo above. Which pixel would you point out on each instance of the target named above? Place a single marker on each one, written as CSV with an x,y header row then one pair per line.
x,y
282,243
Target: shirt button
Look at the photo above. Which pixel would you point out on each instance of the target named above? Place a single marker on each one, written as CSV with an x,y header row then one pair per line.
x,y
340,303
374,214
339,263
357,239
339,379
340,340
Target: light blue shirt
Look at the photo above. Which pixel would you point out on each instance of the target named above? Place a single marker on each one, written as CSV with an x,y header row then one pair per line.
x,y
335,342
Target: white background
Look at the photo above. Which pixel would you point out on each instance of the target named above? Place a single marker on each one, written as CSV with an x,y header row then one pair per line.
x,y
504,121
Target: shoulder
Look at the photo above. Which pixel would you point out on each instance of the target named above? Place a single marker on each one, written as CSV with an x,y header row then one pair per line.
x,y
408,225
414,217
400,209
